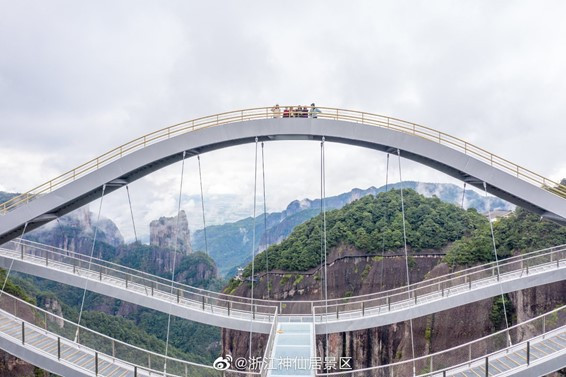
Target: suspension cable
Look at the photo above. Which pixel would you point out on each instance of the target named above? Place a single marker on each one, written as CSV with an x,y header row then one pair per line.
x,y
132,213
253,250
90,261
406,258
497,262
463,196
174,261
266,233
202,202
323,207
12,261
384,224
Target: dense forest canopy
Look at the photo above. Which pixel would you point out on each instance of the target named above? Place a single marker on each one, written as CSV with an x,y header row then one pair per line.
x,y
375,224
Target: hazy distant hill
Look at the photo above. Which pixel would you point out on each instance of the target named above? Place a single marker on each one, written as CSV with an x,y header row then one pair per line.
x,y
230,244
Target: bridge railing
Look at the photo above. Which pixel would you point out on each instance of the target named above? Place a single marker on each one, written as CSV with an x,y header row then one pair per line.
x,y
264,113
474,353
437,288
68,334
265,309
146,284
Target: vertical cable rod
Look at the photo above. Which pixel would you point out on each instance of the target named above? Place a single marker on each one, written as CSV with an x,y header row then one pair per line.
x,y
265,222
253,251
132,213
202,205
406,258
323,207
497,262
463,195
384,224
90,260
174,261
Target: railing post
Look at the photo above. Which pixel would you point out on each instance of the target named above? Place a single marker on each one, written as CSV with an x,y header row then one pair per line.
x,y
152,284
363,308
179,296
58,348
100,275
113,348
487,366
254,308
23,333
543,326
45,319
415,297
229,307
135,371
46,258
388,303
337,313
22,251
202,302
96,363
470,352
126,281
528,352
527,269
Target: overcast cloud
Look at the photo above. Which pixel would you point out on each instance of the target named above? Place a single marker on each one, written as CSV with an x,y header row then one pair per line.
x,y
78,78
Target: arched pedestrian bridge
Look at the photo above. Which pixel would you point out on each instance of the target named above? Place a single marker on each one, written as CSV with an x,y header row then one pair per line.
x,y
154,151
301,319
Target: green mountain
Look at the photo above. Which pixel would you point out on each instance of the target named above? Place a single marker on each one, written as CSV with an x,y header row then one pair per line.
x,y
374,224
230,244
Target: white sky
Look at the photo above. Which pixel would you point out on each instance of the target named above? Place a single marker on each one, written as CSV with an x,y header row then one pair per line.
x,y
79,78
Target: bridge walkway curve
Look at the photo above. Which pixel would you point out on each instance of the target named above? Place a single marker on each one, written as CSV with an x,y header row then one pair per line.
x,y
337,315
154,151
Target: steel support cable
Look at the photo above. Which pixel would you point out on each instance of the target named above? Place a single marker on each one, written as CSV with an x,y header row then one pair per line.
x,y
202,203
90,261
497,263
323,209
12,261
384,224
174,261
132,213
406,258
463,195
265,222
253,252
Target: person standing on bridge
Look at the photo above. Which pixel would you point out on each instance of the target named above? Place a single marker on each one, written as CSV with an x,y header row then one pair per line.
x,y
276,110
314,111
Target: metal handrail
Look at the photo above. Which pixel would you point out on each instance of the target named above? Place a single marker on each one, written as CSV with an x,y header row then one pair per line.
x,y
269,348
454,283
265,113
82,330
560,314
269,306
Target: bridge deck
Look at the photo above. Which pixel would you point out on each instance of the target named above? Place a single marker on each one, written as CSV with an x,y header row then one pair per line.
x,y
505,361
543,268
293,350
81,359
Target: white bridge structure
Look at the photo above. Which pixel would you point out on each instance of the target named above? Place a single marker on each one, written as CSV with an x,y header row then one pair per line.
x,y
530,348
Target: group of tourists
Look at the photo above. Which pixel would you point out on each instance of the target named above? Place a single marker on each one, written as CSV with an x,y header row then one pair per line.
x,y
296,112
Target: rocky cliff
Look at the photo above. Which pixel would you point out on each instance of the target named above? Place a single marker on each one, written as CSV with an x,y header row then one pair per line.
x,y
350,272
165,231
